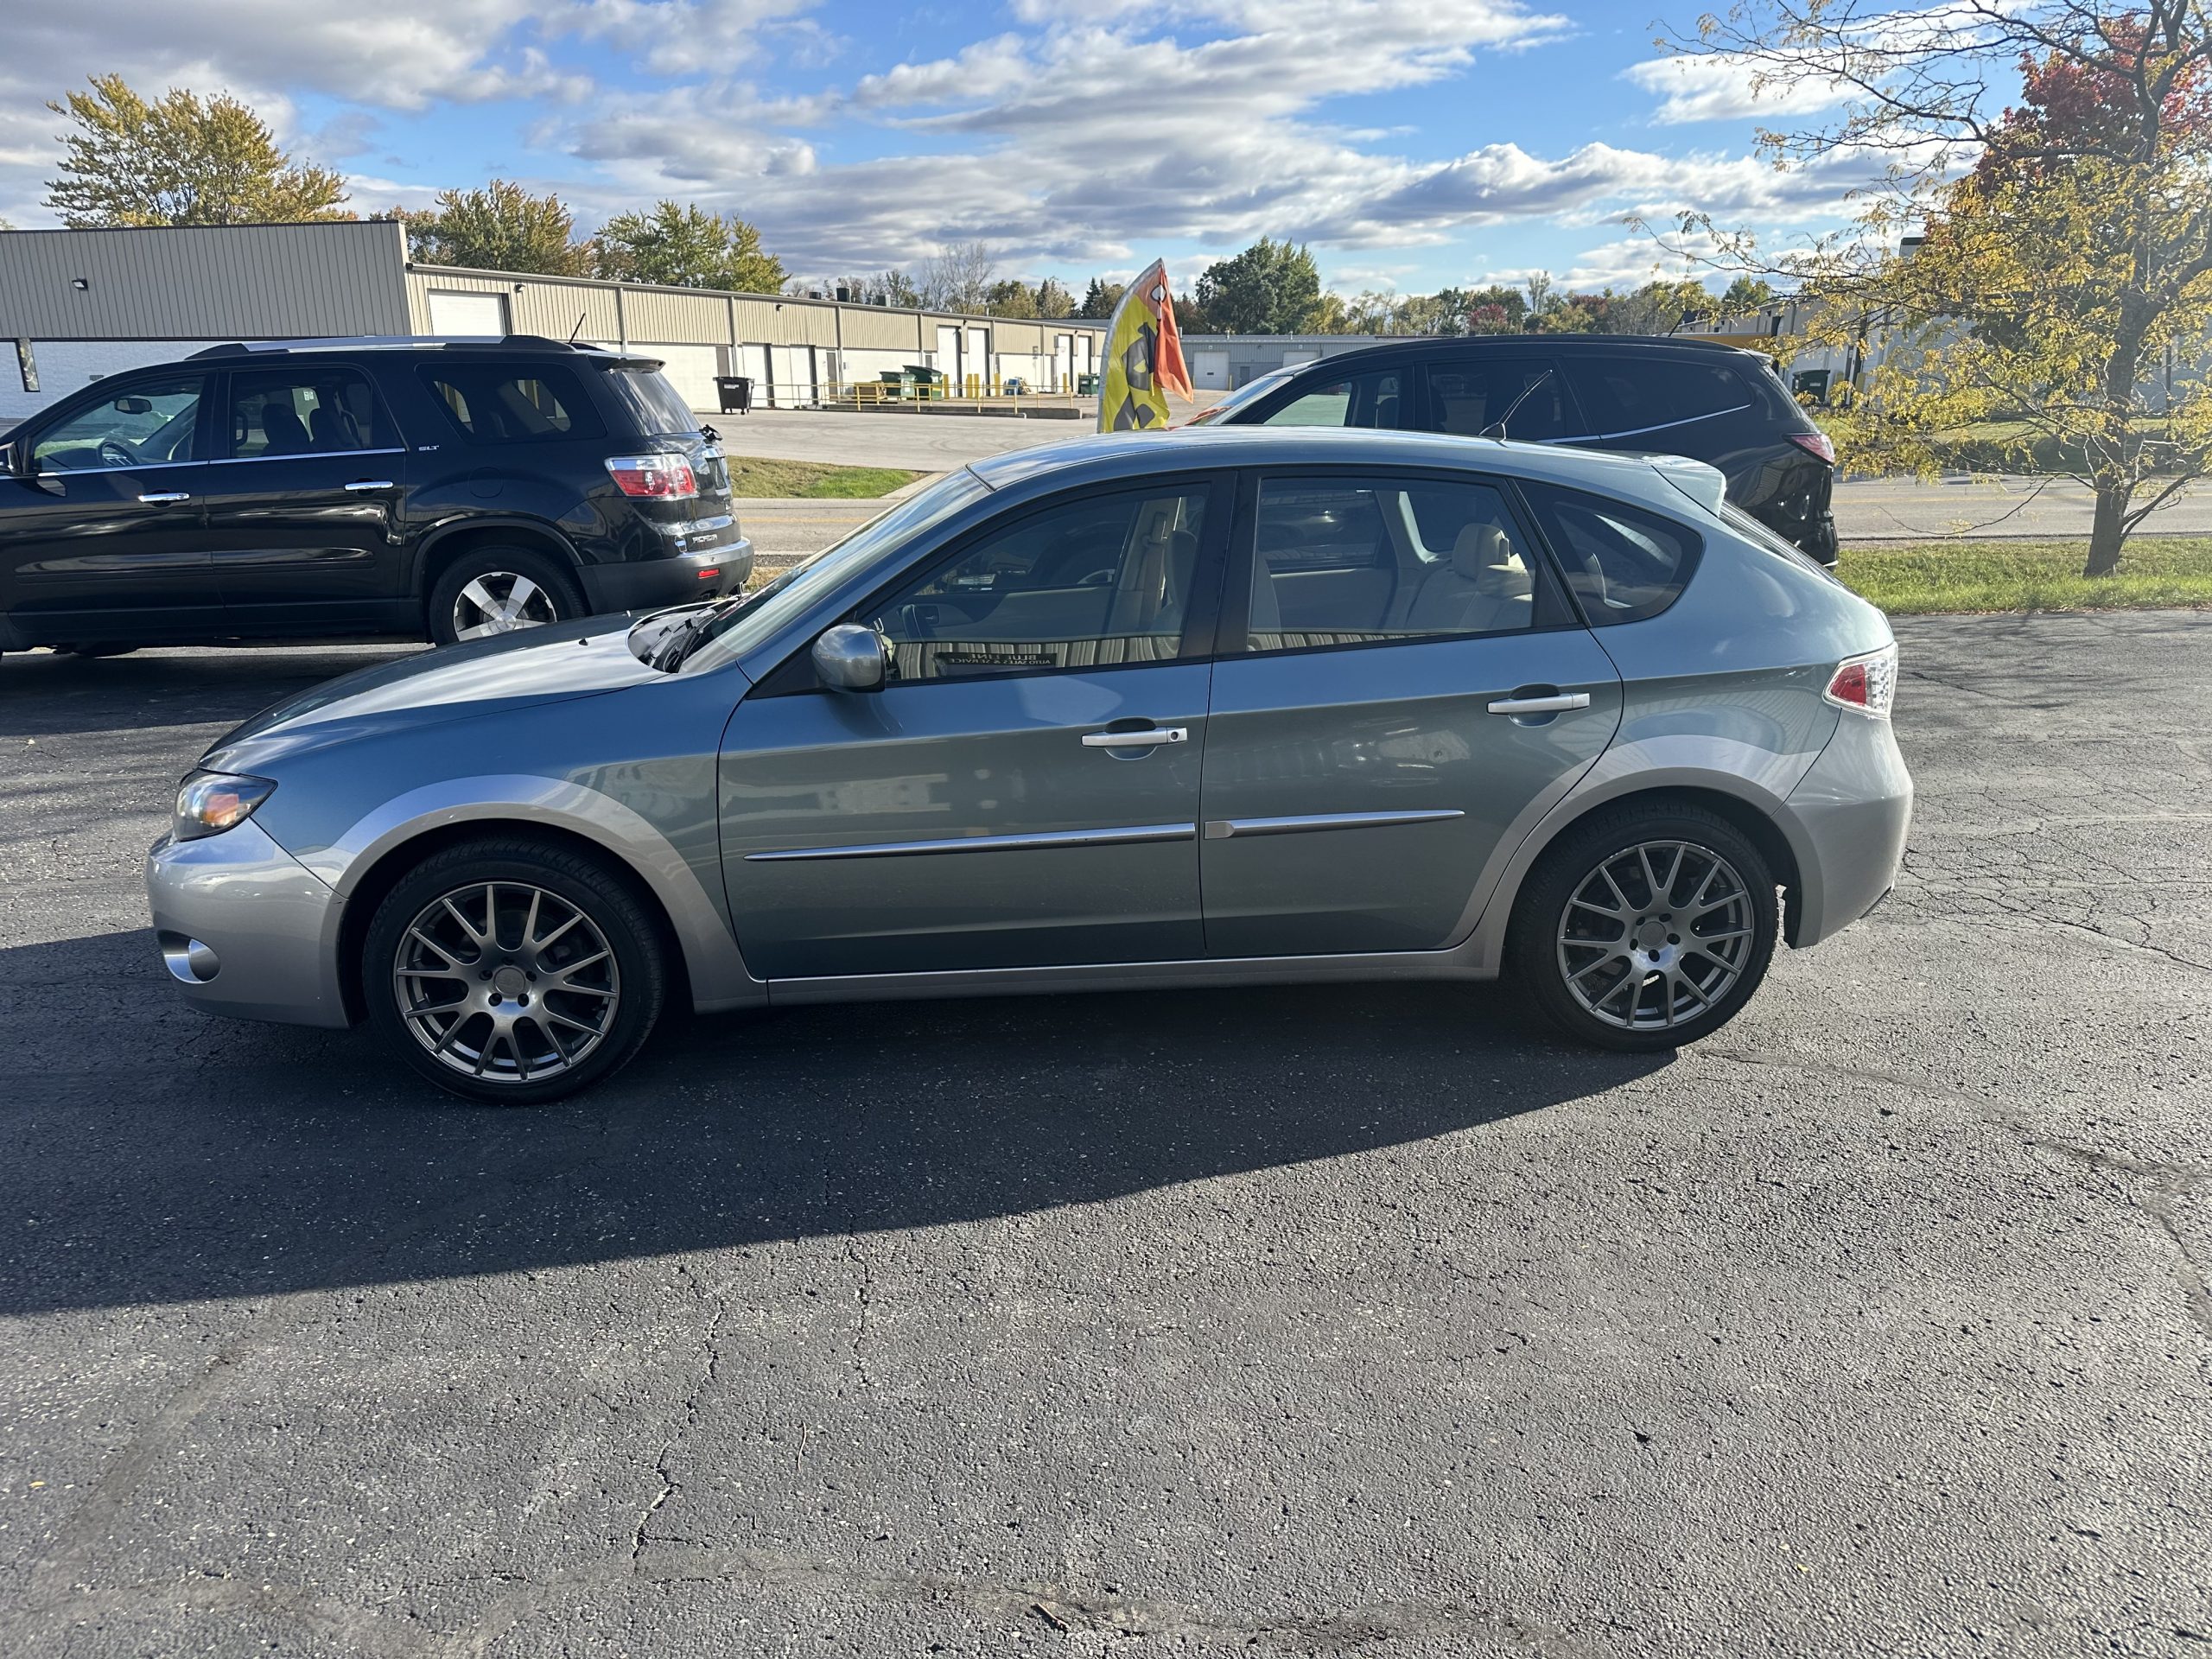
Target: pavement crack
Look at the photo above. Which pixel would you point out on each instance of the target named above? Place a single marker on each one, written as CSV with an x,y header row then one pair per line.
x,y
2160,1183
711,1341
865,1294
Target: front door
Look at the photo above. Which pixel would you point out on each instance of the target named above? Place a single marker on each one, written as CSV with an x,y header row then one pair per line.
x,y
1023,791
1400,679
105,540
303,505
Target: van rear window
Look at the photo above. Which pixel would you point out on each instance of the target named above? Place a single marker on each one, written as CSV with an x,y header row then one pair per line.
x,y
493,404
650,401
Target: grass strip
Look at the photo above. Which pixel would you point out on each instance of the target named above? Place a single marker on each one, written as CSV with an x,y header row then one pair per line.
x,y
2157,573
752,479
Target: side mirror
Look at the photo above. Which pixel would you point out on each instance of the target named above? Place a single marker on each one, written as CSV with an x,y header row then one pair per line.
x,y
850,657
11,460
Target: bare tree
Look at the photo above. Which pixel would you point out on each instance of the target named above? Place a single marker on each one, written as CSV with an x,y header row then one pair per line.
x,y
958,278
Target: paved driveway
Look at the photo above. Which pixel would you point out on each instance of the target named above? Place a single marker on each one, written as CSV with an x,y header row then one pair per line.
x,y
1300,1321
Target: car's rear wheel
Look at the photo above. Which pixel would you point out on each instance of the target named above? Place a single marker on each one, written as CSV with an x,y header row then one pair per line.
x,y
1645,928
512,971
500,590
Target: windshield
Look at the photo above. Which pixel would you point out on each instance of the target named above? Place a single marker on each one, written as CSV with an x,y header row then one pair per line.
x,y
1243,395
647,398
744,625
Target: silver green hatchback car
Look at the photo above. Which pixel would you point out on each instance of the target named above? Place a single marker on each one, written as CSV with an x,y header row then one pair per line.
x,y
1184,709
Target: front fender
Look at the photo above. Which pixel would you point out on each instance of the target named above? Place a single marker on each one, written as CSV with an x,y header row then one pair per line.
x,y
719,979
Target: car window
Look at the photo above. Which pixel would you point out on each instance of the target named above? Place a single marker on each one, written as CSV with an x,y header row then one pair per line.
x,y
1629,394
1355,562
654,406
1251,392
497,405
1622,563
305,410
1357,400
148,423
1100,580
1467,398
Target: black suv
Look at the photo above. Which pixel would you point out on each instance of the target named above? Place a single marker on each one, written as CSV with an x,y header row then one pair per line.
x,y
1711,401
430,489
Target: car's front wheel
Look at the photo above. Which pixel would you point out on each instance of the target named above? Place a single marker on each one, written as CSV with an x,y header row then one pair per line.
x,y
1645,927
513,971
499,590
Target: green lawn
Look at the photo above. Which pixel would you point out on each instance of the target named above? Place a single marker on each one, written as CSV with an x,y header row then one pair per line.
x,y
2154,573
753,478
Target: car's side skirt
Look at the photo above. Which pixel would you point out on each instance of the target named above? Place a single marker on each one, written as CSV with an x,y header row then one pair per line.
x,y
1457,963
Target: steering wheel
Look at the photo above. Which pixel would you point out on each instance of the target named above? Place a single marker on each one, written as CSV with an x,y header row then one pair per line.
x,y
116,454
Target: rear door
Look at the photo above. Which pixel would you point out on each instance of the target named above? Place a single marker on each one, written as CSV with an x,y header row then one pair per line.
x,y
106,540
1024,792
303,503
1399,680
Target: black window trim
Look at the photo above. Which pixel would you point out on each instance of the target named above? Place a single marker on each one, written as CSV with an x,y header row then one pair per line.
x,y
1555,609
222,424
794,676
1693,557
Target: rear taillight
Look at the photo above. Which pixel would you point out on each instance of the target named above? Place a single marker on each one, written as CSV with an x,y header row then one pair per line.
x,y
1867,684
658,478
1814,443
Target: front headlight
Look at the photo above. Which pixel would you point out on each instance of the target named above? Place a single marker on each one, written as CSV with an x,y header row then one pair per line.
x,y
208,803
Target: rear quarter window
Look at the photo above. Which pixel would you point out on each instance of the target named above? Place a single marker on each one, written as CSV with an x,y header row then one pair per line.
x,y
1631,396
494,403
1621,563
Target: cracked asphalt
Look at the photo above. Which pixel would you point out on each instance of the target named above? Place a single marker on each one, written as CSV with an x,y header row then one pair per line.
x,y
1304,1321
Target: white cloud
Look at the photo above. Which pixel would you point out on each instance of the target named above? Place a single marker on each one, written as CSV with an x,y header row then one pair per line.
x,y
1722,87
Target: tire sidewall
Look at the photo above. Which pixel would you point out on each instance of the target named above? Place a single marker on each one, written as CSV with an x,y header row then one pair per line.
x,y
545,571
614,909
1532,947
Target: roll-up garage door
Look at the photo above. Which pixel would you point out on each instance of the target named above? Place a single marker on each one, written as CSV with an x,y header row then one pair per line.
x,y
690,369
468,314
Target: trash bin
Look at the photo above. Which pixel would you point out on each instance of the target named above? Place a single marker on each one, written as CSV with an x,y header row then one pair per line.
x,y
1810,383
735,391
1086,386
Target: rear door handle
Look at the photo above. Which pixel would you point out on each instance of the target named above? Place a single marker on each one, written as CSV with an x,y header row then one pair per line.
x,y
371,484
166,495
1147,740
1557,703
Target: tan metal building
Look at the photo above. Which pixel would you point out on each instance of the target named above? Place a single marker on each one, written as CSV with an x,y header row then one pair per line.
x,y
80,304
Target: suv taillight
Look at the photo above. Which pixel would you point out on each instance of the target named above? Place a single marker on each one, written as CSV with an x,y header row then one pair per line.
x,y
658,478
1814,443
1867,682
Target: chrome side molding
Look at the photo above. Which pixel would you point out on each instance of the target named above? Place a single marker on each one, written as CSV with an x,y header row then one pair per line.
x,y
1132,836
1230,829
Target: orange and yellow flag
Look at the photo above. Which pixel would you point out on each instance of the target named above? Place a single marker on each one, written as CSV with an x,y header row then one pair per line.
x,y
1144,357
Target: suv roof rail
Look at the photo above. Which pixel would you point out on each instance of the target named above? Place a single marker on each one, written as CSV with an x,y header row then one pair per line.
x,y
392,343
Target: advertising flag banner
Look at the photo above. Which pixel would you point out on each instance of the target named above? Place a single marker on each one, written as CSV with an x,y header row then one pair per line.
x,y
1144,357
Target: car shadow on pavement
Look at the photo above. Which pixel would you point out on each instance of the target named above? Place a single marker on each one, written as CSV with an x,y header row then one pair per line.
x,y
171,1157
44,694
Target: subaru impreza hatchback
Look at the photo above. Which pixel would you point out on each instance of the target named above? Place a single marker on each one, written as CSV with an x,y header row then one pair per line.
x,y
1182,709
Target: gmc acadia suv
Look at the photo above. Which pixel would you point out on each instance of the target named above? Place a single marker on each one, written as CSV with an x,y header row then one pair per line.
x,y
432,489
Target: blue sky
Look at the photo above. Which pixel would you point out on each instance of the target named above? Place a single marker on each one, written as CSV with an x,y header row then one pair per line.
x,y
1413,142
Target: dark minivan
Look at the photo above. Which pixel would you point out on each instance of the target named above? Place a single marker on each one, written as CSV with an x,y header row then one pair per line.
x,y
430,489
1708,401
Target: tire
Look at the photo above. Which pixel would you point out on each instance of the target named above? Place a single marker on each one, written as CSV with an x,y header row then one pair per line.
x,y
518,1039
1702,941
476,596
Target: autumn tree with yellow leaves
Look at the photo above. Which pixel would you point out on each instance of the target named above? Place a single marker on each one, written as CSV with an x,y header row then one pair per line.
x,y
2040,261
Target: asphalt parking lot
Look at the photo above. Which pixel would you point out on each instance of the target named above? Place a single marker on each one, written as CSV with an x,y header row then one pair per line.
x,y
1306,1321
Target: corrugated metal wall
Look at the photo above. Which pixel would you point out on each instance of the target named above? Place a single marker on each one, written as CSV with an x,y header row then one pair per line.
x,y
251,281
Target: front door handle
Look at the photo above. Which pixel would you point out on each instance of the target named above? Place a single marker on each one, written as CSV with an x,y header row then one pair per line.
x,y
1557,703
371,484
1145,739
166,495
